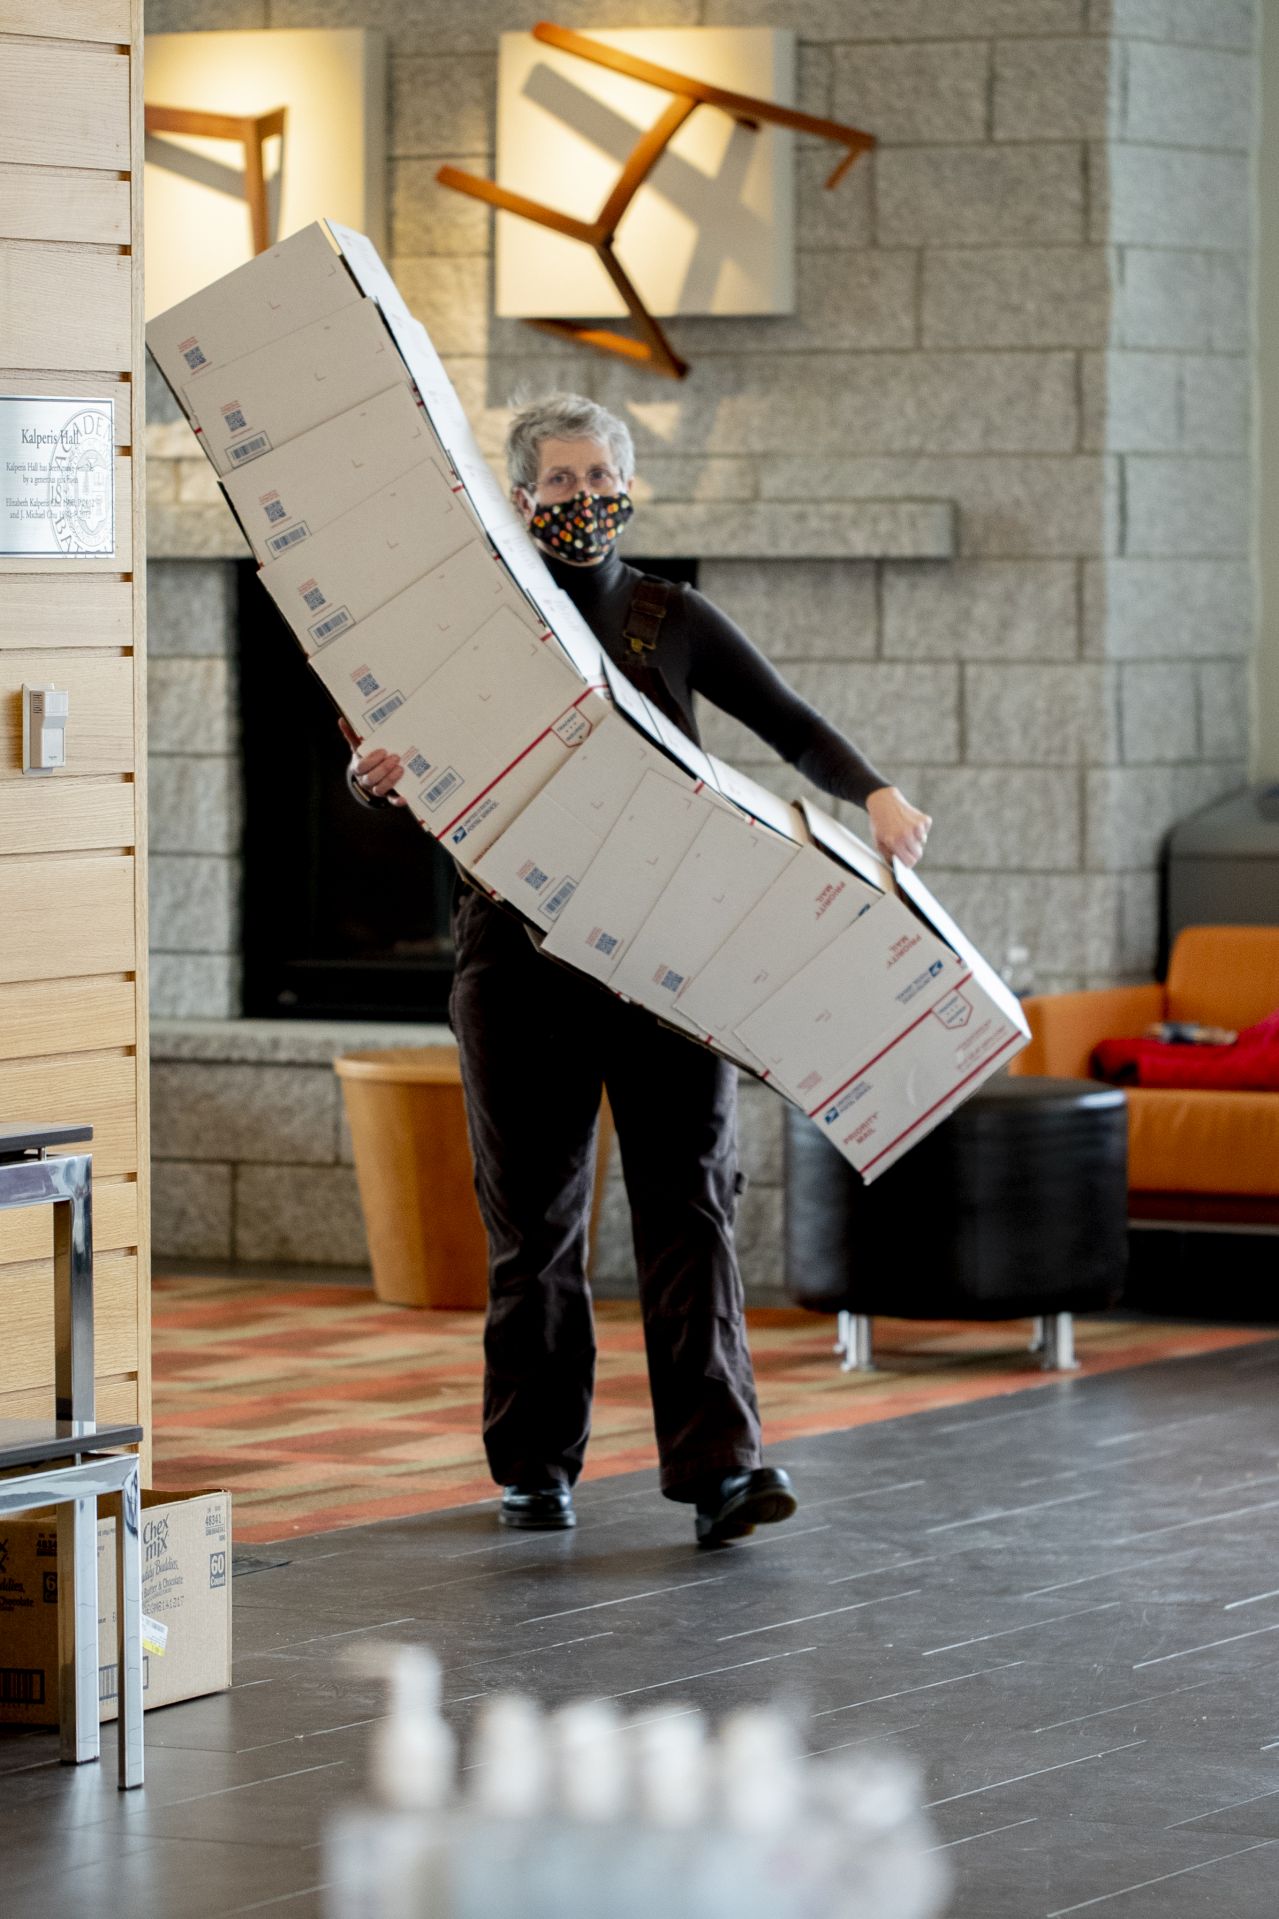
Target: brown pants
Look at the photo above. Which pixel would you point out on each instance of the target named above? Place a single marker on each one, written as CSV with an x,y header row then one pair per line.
x,y
538,1044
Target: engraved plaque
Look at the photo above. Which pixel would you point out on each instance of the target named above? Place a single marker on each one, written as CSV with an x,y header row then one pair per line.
x,y
57,478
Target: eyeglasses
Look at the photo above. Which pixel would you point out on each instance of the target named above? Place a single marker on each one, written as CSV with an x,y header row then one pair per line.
x,y
562,483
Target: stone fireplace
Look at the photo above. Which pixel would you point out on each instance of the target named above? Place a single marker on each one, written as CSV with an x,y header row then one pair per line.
x,y
984,498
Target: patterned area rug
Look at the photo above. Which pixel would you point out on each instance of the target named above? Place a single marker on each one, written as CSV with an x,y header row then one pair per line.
x,y
319,1407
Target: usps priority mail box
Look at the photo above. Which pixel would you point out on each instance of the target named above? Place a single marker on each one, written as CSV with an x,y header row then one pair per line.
x,y
543,855
958,1023
372,668
298,281
286,496
490,728
359,562
247,408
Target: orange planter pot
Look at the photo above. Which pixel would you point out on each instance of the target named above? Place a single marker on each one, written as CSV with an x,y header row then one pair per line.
x,y
413,1166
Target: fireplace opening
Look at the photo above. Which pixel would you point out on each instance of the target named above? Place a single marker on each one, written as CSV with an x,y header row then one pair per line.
x,y
346,907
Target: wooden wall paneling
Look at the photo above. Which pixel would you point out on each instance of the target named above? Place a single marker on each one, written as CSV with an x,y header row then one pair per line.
x,y
103,20
67,918
66,1016
63,308
118,562
116,1400
141,908
73,923
38,204
100,726
97,1087
26,1303
27,1234
66,815
49,610
64,107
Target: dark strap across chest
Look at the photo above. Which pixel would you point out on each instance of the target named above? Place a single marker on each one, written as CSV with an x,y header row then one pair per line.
x,y
644,616
642,652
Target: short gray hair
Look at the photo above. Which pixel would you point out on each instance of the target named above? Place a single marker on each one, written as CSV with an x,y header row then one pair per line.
x,y
563,416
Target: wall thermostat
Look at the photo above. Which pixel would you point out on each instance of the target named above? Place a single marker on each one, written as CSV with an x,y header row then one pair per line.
x,y
44,728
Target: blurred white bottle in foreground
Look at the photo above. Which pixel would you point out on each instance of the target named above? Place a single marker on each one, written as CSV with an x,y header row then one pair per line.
x,y
581,1812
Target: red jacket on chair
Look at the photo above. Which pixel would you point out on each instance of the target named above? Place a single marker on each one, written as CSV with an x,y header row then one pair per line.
x,y
1251,1063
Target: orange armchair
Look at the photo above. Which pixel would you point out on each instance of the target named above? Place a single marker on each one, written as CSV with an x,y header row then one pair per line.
x,y
1195,1154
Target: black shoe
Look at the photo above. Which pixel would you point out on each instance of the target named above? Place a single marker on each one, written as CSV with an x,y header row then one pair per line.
x,y
733,1507
537,1508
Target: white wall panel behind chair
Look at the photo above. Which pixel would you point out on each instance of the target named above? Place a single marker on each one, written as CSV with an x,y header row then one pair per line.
x,y
331,163
711,231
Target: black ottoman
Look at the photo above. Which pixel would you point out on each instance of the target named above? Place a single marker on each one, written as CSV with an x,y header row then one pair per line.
x,y
1016,1206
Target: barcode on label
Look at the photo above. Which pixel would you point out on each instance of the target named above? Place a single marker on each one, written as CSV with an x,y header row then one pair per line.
x,y
108,1677
312,595
234,417
274,509
249,449
419,766
279,542
336,623
559,898
605,943
669,981
21,1686
366,682
443,786
377,714
194,358
533,876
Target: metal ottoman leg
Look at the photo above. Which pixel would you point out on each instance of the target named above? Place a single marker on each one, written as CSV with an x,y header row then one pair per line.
x,y
1059,1343
78,1629
128,1586
854,1343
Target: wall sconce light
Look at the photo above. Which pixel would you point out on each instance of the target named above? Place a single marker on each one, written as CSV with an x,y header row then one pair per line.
x,y
649,347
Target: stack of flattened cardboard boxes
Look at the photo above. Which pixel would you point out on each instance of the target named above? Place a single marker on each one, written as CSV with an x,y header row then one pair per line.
x,y
764,930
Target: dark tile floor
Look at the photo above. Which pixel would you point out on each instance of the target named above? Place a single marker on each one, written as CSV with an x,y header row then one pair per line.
x,y
1063,1604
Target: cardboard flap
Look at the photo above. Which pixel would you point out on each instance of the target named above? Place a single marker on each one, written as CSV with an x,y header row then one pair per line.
x,y
844,845
782,816
677,743
629,700
983,972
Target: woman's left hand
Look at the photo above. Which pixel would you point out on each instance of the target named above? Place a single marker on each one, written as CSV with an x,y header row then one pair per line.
x,y
900,829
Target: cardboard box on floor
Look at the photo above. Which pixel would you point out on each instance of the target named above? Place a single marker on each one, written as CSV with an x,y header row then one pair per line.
x,y
186,1593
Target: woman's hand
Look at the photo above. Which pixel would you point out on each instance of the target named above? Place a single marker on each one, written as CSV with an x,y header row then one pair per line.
x,y
378,772
900,829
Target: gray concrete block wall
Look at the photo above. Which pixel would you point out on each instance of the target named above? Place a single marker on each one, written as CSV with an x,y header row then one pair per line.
x,y
1027,314
193,784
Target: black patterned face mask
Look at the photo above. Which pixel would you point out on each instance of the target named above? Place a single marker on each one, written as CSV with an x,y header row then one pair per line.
x,y
583,528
